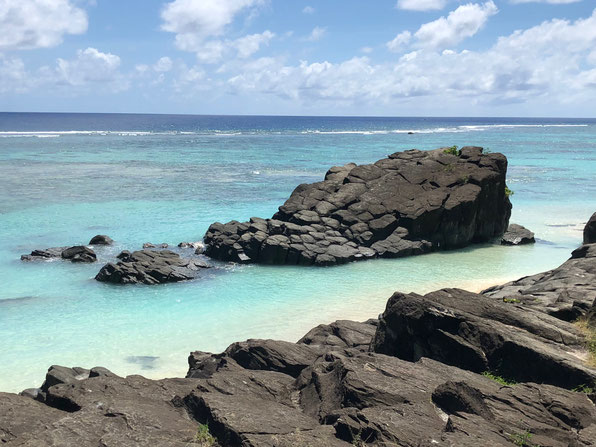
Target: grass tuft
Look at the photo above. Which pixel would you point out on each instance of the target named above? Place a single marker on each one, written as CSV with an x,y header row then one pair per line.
x,y
590,339
499,379
453,151
204,438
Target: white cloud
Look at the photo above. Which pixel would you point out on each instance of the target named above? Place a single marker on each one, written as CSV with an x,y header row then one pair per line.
x,y
89,67
366,50
460,24
308,10
421,5
163,65
316,34
29,24
13,76
248,45
552,62
401,40
193,21
552,2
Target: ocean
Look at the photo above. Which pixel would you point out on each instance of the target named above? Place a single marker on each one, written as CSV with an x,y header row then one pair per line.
x,y
164,178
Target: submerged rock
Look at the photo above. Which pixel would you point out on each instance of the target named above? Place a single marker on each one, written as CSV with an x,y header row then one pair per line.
x,y
150,245
517,235
78,253
410,203
150,267
101,239
44,254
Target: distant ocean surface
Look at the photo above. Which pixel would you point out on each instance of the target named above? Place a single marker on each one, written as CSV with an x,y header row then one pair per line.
x,y
165,178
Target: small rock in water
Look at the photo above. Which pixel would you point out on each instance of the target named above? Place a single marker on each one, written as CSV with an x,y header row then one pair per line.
x,y
150,267
79,253
101,239
150,245
517,235
40,255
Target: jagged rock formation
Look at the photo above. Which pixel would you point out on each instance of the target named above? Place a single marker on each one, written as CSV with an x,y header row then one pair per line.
x,y
517,235
150,267
410,203
566,292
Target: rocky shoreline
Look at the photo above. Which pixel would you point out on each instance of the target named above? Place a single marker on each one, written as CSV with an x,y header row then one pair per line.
x,y
514,365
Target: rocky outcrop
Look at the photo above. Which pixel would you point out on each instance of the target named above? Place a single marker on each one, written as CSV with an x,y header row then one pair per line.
x,y
478,333
78,253
101,239
150,267
410,203
566,292
517,235
590,230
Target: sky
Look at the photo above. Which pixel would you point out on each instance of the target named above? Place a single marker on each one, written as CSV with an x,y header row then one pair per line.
x,y
300,57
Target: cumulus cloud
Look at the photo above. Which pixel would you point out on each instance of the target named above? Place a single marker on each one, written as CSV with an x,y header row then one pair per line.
x,y
213,51
91,66
553,60
29,24
421,5
163,64
316,34
308,10
193,21
248,45
401,40
13,76
460,24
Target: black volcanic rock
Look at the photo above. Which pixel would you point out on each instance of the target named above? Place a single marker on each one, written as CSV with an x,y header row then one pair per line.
x,y
410,203
79,253
44,254
101,239
150,267
479,333
566,292
517,235
590,230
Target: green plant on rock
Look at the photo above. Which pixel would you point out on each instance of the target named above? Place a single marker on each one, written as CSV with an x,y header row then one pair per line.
x,y
499,379
204,438
583,388
508,192
453,151
511,300
522,439
464,180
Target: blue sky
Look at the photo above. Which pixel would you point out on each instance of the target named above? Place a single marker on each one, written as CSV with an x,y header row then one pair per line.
x,y
295,57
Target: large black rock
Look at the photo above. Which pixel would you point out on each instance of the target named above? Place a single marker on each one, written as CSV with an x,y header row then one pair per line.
x,y
150,267
410,203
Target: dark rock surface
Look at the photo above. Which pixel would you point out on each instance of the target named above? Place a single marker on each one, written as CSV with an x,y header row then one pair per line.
x,y
101,239
150,245
150,267
517,235
410,203
78,253
478,333
44,254
566,292
590,230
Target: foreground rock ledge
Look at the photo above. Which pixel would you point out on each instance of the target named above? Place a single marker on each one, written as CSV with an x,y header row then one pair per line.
x,y
410,203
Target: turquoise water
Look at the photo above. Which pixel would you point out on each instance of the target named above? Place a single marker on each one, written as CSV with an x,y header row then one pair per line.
x,y
65,178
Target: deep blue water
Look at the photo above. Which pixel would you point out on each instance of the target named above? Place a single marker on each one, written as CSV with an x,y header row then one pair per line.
x,y
165,178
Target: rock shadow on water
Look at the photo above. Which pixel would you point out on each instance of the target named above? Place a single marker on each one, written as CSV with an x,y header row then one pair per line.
x,y
146,361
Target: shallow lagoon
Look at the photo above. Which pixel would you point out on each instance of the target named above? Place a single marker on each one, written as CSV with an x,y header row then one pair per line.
x,y
165,179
